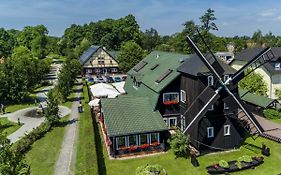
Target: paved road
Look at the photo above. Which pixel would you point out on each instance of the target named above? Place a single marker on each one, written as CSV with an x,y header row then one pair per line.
x,y
65,164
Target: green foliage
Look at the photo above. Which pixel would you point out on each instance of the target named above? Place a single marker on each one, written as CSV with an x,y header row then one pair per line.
x,y
150,39
7,43
207,20
11,162
180,144
223,164
151,170
254,83
130,54
52,110
239,164
272,114
245,158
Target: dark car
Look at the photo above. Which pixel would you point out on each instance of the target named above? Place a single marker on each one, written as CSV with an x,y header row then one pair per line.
x,y
100,79
117,79
124,78
91,79
109,79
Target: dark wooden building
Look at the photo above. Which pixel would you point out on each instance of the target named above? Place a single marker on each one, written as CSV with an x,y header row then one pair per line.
x,y
219,128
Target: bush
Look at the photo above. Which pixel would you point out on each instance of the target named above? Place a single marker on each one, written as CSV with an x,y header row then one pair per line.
x,y
245,158
223,164
151,170
25,143
180,144
272,114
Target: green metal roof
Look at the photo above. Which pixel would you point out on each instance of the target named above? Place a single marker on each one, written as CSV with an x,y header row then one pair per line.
x,y
130,115
147,77
258,100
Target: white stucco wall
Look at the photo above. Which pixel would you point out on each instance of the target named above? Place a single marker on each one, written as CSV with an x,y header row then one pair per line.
x,y
266,77
108,60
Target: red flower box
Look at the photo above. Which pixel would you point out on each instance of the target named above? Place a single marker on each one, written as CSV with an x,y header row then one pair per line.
x,y
123,148
133,148
155,144
172,102
144,146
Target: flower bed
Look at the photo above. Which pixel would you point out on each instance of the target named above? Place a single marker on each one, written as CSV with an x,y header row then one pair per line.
x,y
235,166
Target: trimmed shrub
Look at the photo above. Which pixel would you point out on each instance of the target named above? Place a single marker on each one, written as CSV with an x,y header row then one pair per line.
x,y
272,114
151,170
223,164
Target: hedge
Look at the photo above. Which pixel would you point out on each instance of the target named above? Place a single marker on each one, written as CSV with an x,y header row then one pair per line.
x,y
272,114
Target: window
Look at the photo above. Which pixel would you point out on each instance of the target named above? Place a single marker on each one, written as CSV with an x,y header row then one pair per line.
x,y
132,140
277,66
210,132
154,137
210,80
154,66
110,61
172,122
226,130
171,96
89,70
139,66
225,106
183,96
114,70
211,108
182,122
143,139
101,62
225,77
97,70
120,142
164,75
165,120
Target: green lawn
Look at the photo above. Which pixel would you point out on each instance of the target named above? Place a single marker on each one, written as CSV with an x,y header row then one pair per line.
x,y
86,159
7,126
43,154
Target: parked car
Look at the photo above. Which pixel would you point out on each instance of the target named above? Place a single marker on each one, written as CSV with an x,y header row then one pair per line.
x,y
100,79
109,79
117,79
124,78
90,79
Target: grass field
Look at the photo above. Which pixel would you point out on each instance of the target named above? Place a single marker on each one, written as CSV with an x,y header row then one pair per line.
x,y
7,126
86,159
43,154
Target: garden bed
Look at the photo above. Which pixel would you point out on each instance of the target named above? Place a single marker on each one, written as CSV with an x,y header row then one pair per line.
x,y
216,169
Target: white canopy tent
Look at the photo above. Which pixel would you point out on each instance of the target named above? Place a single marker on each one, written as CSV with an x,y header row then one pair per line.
x,y
104,90
94,103
120,86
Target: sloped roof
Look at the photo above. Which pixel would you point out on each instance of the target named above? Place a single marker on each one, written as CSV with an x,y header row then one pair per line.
x,y
249,53
131,115
194,65
258,100
88,53
148,75
165,61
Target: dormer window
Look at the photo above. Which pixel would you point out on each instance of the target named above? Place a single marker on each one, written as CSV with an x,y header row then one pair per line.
x,y
277,66
210,80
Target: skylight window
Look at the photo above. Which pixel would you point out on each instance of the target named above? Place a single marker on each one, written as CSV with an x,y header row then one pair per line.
x,y
164,75
139,66
154,66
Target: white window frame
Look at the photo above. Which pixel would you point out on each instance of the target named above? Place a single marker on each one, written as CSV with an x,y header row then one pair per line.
x,y
114,70
128,140
117,138
158,137
277,66
147,139
182,123
89,70
97,70
168,93
226,77
166,121
225,106
226,130
210,132
211,108
172,118
210,80
183,96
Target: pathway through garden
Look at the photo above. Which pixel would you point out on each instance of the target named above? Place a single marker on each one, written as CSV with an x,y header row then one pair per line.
x,y
65,164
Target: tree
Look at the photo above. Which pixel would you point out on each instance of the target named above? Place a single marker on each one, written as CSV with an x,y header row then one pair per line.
x,y
254,83
130,54
7,43
11,162
151,170
207,21
150,39
52,110
180,144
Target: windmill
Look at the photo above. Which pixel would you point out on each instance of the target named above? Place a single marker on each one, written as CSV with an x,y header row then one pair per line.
x,y
225,89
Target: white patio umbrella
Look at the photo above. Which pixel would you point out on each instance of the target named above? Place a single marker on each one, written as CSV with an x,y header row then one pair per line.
x,y
120,87
104,90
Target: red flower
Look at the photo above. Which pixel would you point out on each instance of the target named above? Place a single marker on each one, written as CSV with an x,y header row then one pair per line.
x,y
123,148
144,146
172,102
155,144
133,148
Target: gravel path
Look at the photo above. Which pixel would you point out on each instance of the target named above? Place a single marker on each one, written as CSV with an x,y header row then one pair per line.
x,y
65,164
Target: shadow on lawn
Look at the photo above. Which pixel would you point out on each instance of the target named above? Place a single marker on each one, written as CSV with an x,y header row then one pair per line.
x,y
99,147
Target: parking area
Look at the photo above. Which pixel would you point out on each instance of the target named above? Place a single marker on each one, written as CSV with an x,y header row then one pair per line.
x,y
110,78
